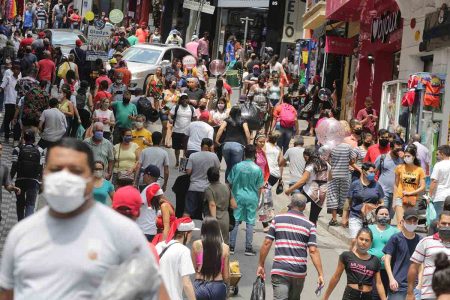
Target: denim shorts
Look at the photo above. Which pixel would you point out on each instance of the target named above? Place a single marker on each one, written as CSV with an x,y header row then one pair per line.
x,y
206,290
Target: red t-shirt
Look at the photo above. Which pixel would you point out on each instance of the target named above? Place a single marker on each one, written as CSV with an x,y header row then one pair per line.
x,y
101,78
228,88
374,151
46,69
75,18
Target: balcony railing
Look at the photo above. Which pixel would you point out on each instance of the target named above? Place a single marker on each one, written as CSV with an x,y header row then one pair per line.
x,y
311,3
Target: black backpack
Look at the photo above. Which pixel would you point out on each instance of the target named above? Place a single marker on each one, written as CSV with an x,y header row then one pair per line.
x,y
81,101
145,107
29,162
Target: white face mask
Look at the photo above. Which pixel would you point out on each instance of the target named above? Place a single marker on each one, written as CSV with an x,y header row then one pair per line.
x,y
408,160
220,106
98,174
64,191
410,227
139,125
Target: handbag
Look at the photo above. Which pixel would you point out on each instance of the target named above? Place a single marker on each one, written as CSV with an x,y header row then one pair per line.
x,y
368,213
280,187
259,289
409,200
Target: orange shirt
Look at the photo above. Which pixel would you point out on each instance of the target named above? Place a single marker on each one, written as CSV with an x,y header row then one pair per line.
x,y
142,35
126,75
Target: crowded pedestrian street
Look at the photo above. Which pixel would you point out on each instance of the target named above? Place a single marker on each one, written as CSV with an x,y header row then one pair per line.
x,y
224,149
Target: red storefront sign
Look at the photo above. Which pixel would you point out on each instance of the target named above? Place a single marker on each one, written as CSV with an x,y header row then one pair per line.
x,y
339,45
343,10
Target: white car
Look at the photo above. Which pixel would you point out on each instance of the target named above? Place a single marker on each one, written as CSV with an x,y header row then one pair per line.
x,y
143,60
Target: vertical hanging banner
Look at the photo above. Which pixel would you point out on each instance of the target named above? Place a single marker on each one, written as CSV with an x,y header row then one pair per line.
x,y
293,26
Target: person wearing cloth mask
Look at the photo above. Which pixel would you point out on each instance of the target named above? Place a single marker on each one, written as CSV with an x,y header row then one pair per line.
x,y
126,155
381,232
175,259
409,182
102,188
125,115
385,165
106,117
363,191
382,147
425,253
362,268
118,88
102,148
72,221
398,251
141,135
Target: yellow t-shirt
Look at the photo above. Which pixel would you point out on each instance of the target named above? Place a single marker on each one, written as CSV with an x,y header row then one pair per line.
x,y
125,160
139,136
410,177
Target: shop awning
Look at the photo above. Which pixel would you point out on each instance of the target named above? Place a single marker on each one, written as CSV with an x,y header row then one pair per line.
x,y
343,10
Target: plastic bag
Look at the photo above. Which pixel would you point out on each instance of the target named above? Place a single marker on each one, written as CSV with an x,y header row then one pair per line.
x,y
430,213
80,132
135,278
259,289
280,187
251,113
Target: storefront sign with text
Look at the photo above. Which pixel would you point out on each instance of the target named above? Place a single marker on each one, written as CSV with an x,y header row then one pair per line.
x,y
383,26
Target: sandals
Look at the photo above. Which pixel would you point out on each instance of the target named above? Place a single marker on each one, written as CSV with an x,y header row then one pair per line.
x,y
333,223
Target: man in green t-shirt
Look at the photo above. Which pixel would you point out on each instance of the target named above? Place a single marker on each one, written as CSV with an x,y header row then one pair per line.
x,y
132,39
125,113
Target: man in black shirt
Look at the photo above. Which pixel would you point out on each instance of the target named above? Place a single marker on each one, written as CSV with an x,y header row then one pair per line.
x,y
193,91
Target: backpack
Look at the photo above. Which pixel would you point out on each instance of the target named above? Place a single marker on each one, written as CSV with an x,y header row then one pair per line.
x,y
29,162
145,107
81,101
62,69
176,112
288,116
34,103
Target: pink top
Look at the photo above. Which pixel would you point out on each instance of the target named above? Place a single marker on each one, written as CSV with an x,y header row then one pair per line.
x,y
192,47
362,114
199,259
203,46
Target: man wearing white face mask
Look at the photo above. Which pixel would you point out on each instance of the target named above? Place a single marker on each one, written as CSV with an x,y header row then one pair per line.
x,y
398,252
64,250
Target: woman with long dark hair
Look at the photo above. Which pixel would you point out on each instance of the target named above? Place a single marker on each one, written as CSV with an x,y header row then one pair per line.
x,y
210,256
216,93
313,182
362,269
409,182
236,137
336,96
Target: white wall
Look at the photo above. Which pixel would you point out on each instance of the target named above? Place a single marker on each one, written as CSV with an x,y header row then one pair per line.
x,y
410,61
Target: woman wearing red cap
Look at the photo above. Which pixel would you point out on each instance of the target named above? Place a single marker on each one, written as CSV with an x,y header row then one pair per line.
x,y
165,212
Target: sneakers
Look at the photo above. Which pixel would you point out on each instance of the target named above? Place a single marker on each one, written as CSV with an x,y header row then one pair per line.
x,y
231,250
250,252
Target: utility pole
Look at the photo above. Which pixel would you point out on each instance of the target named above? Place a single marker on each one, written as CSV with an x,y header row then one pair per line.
x,y
199,13
245,21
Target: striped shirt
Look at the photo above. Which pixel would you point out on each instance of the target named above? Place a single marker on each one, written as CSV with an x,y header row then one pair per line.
x,y
41,14
292,233
425,253
341,156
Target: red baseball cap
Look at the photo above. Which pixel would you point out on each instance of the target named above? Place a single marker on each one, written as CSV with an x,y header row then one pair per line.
x,y
79,43
128,197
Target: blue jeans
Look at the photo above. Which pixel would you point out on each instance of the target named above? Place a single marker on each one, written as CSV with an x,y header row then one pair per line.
x,y
402,295
233,153
26,200
285,138
388,198
439,207
248,235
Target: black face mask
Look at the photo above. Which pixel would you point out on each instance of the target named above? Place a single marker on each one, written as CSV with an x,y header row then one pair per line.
x,y
384,142
126,100
367,144
444,233
358,131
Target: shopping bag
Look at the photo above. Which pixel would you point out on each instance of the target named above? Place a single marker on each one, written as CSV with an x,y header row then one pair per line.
x,y
430,213
252,114
259,289
280,187
80,132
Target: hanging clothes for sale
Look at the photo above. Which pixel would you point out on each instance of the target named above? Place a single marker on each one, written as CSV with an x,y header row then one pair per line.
x,y
410,95
433,87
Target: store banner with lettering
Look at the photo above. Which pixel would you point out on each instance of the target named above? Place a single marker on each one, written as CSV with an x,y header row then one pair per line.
x,y
243,3
339,45
293,25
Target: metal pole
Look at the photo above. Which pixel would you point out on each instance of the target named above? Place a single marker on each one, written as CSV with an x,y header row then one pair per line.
x,y
246,20
199,13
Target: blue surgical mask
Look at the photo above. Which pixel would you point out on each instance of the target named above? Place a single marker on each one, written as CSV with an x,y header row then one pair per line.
x,y
371,177
98,135
127,138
